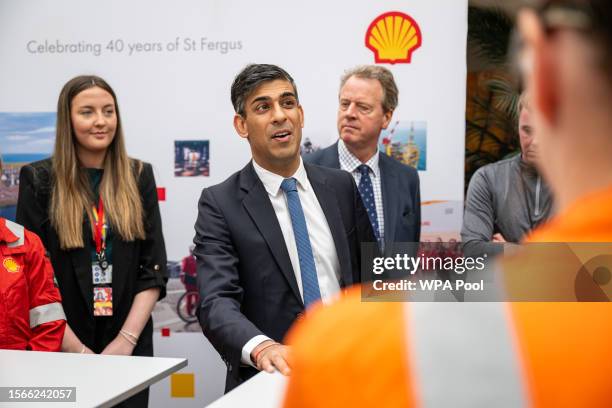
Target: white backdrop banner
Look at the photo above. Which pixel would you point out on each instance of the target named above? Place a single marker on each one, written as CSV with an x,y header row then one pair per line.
x,y
172,64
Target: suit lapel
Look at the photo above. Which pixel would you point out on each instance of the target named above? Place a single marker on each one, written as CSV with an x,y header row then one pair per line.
x,y
332,159
259,208
327,199
390,186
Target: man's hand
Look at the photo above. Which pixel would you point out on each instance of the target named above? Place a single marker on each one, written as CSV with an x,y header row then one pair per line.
x,y
497,237
269,355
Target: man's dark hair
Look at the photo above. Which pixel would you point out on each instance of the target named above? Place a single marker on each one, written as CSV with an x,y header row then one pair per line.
x,y
251,77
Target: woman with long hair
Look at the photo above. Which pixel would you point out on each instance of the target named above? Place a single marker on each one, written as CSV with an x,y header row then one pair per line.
x,y
96,211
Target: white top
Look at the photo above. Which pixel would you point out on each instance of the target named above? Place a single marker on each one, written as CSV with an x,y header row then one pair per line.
x,y
100,380
321,240
350,163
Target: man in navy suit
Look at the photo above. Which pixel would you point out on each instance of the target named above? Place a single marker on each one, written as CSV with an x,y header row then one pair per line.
x,y
275,237
390,190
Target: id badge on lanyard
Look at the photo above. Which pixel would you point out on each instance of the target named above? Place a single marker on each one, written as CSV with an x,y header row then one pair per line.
x,y
101,269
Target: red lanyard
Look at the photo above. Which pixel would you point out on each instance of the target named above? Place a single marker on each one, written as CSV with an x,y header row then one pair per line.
x,y
99,230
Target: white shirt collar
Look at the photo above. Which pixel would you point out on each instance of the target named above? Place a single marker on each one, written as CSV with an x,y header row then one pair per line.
x,y
272,181
349,162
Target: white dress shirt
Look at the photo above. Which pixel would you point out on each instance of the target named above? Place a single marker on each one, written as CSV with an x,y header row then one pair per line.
x,y
321,240
350,163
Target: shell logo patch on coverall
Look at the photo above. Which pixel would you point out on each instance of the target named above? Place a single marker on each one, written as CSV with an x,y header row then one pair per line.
x,y
11,265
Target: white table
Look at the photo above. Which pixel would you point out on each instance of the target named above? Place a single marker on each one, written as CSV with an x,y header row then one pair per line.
x,y
100,381
262,391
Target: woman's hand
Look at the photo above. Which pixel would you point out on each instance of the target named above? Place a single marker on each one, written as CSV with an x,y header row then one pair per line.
x,y
119,347
86,350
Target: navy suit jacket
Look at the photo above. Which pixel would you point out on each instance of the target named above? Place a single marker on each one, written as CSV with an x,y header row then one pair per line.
x,y
400,193
246,282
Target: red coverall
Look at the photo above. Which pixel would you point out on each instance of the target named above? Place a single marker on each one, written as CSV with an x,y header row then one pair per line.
x,y
31,313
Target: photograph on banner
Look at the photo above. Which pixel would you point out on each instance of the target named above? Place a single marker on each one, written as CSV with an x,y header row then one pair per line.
x,y
406,142
308,146
191,158
177,311
25,137
441,220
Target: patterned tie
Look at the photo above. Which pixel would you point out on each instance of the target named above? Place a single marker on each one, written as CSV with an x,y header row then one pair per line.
x,y
308,270
367,196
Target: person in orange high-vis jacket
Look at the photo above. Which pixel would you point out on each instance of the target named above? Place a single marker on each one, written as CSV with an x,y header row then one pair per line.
x,y
31,314
541,354
390,354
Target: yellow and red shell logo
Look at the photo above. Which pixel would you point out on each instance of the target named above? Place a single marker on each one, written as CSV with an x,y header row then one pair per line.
x,y
11,265
393,37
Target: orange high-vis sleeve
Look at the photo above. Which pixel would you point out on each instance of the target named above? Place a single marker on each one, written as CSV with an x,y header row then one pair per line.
x,y
340,359
566,347
566,351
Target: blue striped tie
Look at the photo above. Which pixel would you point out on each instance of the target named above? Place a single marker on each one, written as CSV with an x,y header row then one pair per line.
x,y
308,270
367,196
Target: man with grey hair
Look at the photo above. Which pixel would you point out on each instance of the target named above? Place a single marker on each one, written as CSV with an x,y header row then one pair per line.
x,y
275,237
389,189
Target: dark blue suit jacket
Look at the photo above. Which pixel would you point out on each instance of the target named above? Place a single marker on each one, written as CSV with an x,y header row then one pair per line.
x,y
400,193
245,278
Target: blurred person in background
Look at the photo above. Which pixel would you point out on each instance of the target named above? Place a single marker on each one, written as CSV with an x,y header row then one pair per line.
x,y
507,199
188,276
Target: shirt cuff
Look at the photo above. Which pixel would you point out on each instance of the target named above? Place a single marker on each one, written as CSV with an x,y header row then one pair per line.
x,y
249,347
